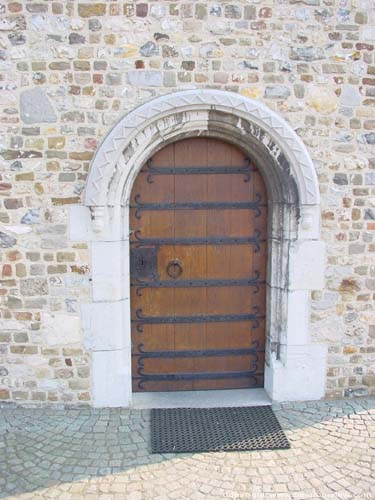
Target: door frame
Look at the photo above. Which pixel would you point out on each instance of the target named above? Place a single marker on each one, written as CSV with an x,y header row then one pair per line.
x,y
295,367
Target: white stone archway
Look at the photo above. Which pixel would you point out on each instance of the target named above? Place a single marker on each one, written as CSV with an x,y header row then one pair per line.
x,y
295,367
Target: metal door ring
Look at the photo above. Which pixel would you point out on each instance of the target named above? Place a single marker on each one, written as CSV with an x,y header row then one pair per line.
x,y
174,269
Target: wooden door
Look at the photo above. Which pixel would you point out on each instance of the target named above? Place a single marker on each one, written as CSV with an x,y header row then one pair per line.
x,y
198,218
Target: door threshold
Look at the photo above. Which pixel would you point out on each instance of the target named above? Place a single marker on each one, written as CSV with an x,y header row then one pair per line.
x,y
201,399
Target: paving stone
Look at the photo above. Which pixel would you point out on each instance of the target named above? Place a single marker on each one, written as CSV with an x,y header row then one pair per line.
x,y
53,453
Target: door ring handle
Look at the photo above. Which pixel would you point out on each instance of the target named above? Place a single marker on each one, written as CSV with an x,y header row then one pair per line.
x,y
174,269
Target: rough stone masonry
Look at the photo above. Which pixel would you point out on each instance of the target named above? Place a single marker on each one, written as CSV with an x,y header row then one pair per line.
x,y
70,69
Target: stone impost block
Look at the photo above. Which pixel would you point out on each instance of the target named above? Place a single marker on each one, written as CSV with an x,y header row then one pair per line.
x,y
85,224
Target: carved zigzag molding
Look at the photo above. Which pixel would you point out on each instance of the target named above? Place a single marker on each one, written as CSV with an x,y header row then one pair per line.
x,y
104,163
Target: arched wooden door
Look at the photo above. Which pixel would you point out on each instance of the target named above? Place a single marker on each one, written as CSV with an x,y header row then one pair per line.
x,y
198,218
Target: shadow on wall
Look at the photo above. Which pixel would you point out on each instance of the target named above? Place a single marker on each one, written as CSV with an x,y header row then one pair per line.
x,y
56,452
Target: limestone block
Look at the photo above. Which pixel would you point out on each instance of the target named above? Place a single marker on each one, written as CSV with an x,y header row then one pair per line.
x,y
111,380
145,78
368,33
328,330
35,107
61,329
80,227
103,328
306,268
301,377
298,317
322,99
350,96
107,269
6,241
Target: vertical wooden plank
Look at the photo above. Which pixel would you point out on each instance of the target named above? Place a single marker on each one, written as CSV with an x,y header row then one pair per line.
x,y
190,223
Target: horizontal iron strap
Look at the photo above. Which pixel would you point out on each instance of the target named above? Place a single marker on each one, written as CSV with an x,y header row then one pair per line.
x,y
198,241
194,354
198,283
200,205
214,318
196,376
189,170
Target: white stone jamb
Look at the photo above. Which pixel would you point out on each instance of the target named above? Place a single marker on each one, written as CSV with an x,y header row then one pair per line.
x,y
298,371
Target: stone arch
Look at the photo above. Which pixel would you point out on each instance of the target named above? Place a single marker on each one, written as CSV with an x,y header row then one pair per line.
x,y
296,255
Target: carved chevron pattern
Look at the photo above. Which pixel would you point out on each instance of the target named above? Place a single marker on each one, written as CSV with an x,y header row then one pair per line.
x,y
106,159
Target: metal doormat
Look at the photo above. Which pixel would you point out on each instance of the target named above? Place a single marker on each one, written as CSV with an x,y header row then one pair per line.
x,y
185,430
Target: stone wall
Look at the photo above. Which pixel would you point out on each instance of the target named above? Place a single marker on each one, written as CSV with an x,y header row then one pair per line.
x,y
69,70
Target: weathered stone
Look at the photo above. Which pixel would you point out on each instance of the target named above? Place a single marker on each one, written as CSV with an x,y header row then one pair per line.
x,y
370,178
277,92
322,99
149,49
306,53
13,203
36,7
113,78
368,33
141,9
95,25
91,9
232,11
31,217
145,78
34,286
356,248
7,24
4,394
201,11
76,38
341,179
333,68
349,285
35,107
158,10
350,96
169,79
6,241
17,38
169,51
9,154
249,12
81,65
73,116
369,138
209,50
126,50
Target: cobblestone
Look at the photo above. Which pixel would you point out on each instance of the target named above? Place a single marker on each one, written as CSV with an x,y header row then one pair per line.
x,y
71,453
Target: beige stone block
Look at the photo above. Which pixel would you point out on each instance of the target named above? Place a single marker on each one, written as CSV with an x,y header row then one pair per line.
x,y
322,99
61,329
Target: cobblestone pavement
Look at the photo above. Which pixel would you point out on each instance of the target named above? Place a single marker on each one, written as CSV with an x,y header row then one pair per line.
x,y
89,453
